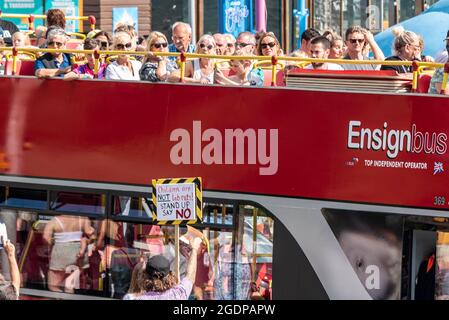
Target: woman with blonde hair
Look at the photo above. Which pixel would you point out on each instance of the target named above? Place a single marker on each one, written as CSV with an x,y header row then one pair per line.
x,y
156,68
337,45
124,68
407,46
202,70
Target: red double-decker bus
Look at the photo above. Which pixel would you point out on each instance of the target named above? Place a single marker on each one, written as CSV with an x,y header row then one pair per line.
x,y
307,194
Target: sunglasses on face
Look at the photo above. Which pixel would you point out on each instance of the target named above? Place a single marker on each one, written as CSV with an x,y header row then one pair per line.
x,y
243,45
230,45
202,46
357,40
55,43
266,45
122,46
104,44
159,45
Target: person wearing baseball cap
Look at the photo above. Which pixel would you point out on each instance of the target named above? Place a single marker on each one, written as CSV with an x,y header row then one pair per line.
x,y
159,282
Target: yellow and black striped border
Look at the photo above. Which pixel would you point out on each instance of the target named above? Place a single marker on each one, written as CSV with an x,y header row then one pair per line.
x,y
199,199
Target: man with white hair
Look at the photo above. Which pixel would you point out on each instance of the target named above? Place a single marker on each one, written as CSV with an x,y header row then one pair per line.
x,y
246,43
54,64
181,36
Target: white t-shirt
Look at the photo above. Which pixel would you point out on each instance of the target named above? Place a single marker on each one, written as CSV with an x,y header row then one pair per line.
x,y
115,71
330,66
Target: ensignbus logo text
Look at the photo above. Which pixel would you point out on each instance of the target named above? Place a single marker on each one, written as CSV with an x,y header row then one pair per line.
x,y
394,141
232,146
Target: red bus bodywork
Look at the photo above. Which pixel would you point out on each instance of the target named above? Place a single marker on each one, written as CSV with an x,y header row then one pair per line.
x,y
120,132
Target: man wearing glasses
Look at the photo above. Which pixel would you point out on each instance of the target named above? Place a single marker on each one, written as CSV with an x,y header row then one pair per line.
x,y
359,40
246,43
54,64
181,36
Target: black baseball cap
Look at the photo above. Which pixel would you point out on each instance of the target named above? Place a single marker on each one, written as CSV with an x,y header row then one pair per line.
x,y
158,264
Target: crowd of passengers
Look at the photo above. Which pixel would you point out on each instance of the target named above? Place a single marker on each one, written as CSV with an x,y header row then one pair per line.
x,y
358,44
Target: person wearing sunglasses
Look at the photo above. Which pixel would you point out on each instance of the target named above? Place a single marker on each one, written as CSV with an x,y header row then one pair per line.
x,y
230,44
86,71
406,47
246,43
269,45
124,68
202,70
54,64
356,40
156,68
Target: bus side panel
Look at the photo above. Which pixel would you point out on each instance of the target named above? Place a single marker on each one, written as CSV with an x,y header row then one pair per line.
x,y
374,148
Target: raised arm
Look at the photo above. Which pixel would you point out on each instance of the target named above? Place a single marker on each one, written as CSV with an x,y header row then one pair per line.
x,y
13,267
377,51
192,264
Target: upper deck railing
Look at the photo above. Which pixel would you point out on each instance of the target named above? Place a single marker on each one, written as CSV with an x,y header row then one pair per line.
x,y
272,61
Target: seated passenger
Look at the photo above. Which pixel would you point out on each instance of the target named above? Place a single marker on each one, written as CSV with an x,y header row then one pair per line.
x,y
437,78
244,73
356,39
338,48
268,45
246,43
407,47
230,43
124,68
181,37
86,71
220,41
20,39
202,70
54,64
320,49
306,36
157,68
40,32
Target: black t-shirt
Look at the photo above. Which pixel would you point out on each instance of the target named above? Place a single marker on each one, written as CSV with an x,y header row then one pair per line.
x,y
7,29
398,69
